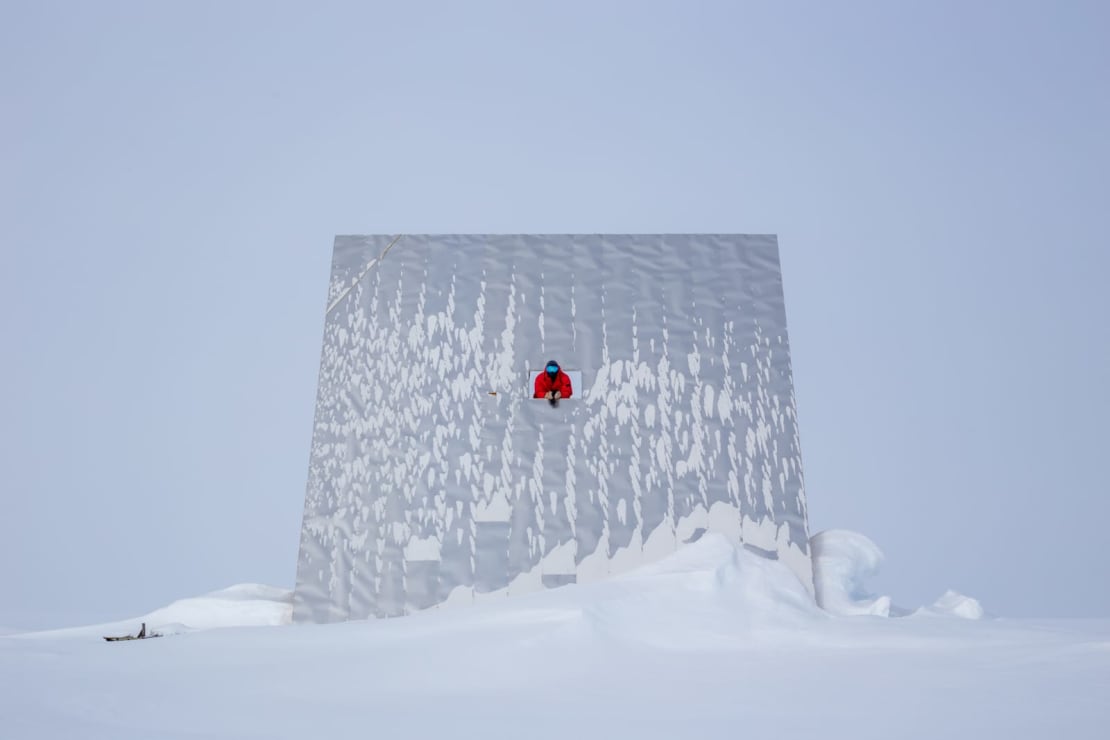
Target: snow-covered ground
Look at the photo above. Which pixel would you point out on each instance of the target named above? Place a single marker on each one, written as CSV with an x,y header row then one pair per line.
x,y
712,642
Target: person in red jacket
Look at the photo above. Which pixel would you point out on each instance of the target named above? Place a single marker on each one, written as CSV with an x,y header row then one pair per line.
x,y
553,384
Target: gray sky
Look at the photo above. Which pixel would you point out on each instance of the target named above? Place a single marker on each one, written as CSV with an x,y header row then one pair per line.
x,y
173,176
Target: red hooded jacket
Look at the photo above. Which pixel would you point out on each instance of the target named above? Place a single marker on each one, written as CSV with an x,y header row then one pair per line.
x,y
544,383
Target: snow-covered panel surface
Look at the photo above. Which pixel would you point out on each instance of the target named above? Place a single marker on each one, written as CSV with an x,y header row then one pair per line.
x,y
696,645
435,479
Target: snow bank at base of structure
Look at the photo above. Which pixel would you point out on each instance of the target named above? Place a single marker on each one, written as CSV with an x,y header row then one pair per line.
x,y
733,596
760,589
711,580
712,642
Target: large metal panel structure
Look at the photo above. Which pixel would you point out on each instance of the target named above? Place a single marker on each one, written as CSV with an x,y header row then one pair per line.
x,y
436,479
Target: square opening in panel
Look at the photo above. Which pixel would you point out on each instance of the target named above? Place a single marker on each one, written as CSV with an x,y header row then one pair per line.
x,y
575,377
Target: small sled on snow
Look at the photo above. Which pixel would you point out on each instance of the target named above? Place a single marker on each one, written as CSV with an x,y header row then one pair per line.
x,y
143,635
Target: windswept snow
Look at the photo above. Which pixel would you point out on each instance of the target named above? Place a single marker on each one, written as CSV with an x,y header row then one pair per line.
x,y
957,605
713,641
842,563
243,605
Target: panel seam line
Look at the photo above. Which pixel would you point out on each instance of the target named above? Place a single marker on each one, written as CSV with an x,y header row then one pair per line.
x,y
361,275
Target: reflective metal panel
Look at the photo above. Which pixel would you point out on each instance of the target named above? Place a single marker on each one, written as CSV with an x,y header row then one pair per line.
x,y
435,478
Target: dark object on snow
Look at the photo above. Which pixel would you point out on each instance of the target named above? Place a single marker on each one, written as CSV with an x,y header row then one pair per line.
x,y
141,636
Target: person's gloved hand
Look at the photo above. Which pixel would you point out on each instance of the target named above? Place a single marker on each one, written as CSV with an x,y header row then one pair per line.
x,y
550,396
558,395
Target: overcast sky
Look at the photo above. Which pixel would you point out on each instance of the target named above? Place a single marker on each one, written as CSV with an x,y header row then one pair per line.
x,y
172,176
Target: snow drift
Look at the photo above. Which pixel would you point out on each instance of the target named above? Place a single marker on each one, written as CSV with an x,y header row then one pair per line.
x,y
243,605
711,642
955,604
843,561
710,576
